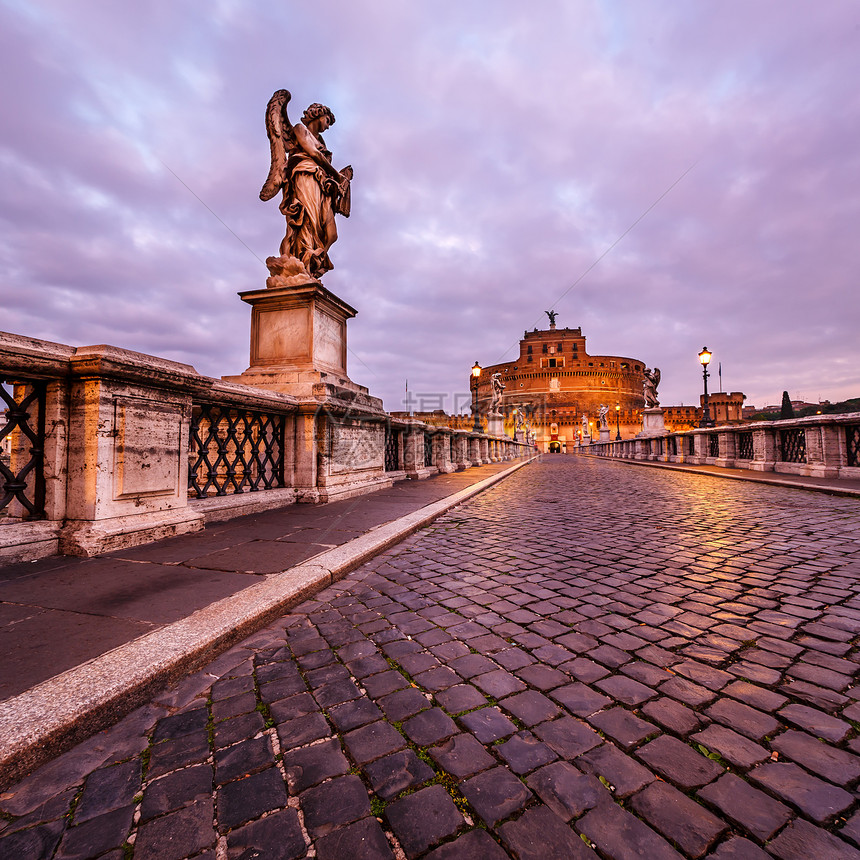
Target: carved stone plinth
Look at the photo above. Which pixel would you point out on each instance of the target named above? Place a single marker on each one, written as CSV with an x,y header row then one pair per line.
x,y
652,423
605,434
298,347
496,424
298,338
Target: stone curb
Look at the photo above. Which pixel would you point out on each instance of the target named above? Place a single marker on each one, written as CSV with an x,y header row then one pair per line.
x,y
53,716
755,477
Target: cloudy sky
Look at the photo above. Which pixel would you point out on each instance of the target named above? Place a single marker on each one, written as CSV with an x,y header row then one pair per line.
x,y
664,174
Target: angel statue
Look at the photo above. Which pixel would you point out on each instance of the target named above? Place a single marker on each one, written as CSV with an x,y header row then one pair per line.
x,y
649,387
312,191
498,388
601,414
552,315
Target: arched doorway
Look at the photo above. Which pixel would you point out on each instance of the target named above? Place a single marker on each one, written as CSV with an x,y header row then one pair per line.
x,y
554,448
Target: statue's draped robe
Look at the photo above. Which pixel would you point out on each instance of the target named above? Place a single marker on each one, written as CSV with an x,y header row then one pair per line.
x,y
309,209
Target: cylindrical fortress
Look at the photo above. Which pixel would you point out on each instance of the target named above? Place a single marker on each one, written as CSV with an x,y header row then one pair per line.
x,y
554,382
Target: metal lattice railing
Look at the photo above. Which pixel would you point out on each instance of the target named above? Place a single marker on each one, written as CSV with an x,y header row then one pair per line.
x,y
745,446
22,474
792,445
852,444
713,445
392,450
234,451
428,449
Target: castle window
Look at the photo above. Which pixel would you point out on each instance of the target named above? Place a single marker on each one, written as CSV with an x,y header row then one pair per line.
x,y
530,349
545,348
528,357
552,362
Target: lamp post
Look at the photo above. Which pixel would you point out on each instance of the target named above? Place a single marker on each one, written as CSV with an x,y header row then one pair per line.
x,y
705,359
617,422
476,373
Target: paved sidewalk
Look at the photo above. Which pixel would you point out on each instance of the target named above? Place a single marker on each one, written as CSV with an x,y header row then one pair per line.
x,y
642,661
59,612
832,486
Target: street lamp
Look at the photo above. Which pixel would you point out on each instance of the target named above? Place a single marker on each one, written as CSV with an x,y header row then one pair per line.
x,y
617,422
476,373
705,359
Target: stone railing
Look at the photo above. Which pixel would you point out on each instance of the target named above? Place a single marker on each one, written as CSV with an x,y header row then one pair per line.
x,y
820,446
102,448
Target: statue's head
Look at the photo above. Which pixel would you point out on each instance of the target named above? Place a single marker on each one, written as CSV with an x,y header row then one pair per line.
x,y
315,111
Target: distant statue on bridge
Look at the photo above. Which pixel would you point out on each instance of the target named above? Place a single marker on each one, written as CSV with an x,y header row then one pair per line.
x,y
602,413
552,315
498,389
649,387
584,425
313,191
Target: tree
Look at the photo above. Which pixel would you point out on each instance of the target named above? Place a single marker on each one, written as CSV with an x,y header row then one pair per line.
x,y
787,410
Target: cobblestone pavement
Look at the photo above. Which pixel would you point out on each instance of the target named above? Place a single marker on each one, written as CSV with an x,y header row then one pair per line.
x,y
589,657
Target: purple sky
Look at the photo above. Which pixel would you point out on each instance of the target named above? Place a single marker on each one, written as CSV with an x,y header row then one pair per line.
x,y
500,149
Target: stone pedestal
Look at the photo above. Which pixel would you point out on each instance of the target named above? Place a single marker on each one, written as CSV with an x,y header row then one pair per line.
x,y
298,347
298,339
605,434
496,424
652,423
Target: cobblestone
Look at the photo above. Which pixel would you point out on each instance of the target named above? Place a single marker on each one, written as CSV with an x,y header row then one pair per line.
x,y
658,662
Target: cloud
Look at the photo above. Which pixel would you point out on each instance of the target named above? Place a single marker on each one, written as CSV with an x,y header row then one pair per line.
x,y
499,153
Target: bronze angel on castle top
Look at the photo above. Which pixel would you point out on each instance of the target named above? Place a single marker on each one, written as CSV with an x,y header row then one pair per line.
x,y
313,191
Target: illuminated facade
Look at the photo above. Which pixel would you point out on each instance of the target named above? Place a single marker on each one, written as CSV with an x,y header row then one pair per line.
x,y
554,381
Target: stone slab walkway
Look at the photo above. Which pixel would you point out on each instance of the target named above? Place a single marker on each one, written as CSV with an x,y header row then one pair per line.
x,y
584,658
832,486
58,612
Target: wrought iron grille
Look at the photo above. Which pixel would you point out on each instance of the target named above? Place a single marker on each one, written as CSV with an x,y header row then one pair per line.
x,y
392,450
691,445
852,443
428,449
673,446
713,445
234,451
23,422
792,445
745,446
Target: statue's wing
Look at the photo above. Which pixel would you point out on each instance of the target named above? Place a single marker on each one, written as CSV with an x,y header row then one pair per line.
x,y
280,132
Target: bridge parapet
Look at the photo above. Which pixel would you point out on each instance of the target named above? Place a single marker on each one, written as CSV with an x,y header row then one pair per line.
x,y
102,448
818,446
